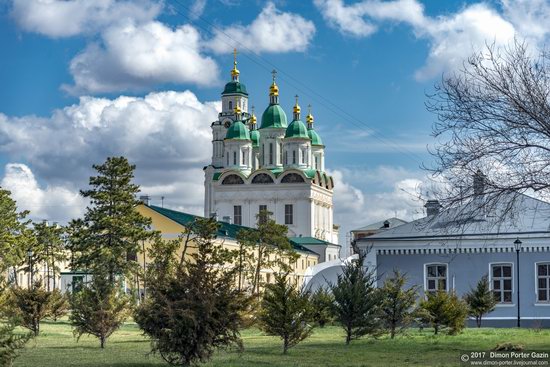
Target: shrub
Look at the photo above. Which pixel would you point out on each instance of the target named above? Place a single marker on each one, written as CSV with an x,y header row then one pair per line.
x,y
442,309
30,306
322,303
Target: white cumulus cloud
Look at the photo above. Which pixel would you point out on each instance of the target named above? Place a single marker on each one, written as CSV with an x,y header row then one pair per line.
x,y
451,37
65,18
166,134
53,203
135,56
272,31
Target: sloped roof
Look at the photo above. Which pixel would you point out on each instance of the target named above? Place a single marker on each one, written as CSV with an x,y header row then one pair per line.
x,y
511,214
226,230
309,241
394,222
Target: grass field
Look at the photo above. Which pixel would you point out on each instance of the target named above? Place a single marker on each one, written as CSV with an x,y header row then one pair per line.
x,y
56,347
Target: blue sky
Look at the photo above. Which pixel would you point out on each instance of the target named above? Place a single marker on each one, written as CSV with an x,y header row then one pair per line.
x,y
365,66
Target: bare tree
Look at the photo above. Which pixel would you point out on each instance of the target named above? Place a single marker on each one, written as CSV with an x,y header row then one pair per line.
x,y
494,126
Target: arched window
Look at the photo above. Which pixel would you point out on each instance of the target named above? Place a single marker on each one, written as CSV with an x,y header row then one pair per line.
x,y
230,105
244,156
232,180
262,178
292,178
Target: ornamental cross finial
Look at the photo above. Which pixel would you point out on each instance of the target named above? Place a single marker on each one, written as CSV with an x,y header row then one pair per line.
x,y
309,108
235,55
296,97
274,73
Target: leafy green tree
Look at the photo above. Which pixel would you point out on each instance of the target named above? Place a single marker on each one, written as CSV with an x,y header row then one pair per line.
x,y
286,312
268,246
480,300
444,309
193,305
107,239
15,236
357,304
397,303
48,249
99,309
322,302
30,305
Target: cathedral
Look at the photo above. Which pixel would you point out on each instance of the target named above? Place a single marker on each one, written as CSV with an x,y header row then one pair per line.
x,y
277,167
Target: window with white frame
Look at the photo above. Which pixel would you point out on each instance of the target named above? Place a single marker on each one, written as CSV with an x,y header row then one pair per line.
x,y
270,153
289,214
501,282
238,214
436,277
543,282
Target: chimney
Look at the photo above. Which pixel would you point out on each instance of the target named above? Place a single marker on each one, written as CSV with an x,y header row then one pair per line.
x,y
432,207
386,224
479,183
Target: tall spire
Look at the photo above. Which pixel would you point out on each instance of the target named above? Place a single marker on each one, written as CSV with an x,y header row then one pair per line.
x,y
309,118
274,90
296,109
235,72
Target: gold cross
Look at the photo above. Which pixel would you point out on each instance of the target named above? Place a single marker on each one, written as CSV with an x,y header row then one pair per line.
x,y
274,73
235,55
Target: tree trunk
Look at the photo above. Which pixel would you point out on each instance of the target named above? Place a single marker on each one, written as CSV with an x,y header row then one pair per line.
x,y
436,329
348,335
478,321
102,342
285,345
392,332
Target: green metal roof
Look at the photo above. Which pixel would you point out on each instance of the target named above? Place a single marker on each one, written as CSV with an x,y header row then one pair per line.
x,y
226,229
238,131
235,87
255,136
315,138
309,241
310,173
296,129
274,117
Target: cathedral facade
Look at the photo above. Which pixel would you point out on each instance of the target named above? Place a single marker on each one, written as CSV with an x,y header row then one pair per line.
x,y
278,167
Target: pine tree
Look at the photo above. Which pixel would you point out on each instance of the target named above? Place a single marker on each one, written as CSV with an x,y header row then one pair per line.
x,y
49,249
322,302
444,309
397,303
356,302
30,305
58,305
286,312
110,234
481,300
193,305
15,237
268,245
10,342
99,309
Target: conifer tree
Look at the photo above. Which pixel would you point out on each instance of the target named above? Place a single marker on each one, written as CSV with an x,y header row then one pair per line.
x,y
286,312
99,309
49,249
357,304
193,305
397,303
58,305
322,302
30,305
268,245
444,309
10,342
15,237
109,235
481,300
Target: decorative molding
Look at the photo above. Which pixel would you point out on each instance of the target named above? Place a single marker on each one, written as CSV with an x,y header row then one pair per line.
x,y
460,250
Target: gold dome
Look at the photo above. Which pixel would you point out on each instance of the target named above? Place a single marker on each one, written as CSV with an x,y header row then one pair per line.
x,y
237,108
235,72
274,88
296,108
309,117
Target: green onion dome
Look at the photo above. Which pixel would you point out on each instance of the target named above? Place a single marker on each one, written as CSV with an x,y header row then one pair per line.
x,y
238,131
235,87
296,129
315,138
255,137
274,117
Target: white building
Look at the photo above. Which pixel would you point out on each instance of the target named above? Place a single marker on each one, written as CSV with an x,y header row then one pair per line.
x,y
278,167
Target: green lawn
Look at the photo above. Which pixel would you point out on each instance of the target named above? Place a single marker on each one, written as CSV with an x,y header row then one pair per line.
x,y
57,347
